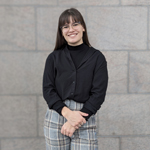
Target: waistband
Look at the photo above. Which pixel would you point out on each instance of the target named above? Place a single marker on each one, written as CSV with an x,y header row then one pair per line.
x,y
73,105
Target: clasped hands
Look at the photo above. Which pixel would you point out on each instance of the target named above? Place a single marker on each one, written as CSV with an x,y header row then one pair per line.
x,y
75,120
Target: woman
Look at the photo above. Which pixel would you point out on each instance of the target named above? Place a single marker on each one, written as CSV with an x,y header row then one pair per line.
x,y
74,86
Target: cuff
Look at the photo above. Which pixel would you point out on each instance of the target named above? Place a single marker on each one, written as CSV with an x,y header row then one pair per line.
x,y
58,106
88,112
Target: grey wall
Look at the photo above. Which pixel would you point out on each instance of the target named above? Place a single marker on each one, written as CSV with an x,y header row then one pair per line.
x,y
118,28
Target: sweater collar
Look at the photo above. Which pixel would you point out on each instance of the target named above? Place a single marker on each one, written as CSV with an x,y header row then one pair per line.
x,y
78,47
90,52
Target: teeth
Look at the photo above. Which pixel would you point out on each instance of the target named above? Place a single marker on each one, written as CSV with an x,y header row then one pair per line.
x,y
73,35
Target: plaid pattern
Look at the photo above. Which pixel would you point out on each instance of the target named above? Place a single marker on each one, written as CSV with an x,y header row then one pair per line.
x,y
84,138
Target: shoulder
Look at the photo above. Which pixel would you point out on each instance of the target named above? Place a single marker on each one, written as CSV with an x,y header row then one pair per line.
x,y
99,55
53,54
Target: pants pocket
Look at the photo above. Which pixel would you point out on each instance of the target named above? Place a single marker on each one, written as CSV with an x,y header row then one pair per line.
x,y
53,117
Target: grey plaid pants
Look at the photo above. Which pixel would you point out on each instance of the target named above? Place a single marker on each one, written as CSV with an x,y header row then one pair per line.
x,y
84,138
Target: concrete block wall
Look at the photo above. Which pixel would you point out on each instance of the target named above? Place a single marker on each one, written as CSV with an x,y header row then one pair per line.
x,y
118,28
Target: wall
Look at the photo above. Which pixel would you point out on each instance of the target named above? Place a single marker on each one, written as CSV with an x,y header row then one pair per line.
x,y
118,28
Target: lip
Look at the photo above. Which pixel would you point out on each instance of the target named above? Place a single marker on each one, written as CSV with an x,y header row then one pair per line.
x,y
73,34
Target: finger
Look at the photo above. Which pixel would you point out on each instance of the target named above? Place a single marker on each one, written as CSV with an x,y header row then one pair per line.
x,y
70,135
83,121
73,124
83,114
76,127
66,134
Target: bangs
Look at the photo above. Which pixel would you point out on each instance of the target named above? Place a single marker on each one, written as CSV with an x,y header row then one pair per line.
x,y
65,18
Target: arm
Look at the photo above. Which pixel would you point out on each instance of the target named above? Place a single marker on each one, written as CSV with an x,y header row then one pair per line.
x,y
74,118
67,129
99,87
49,91
52,98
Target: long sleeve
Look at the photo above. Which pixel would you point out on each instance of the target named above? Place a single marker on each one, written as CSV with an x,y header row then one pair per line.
x,y
49,90
88,112
98,89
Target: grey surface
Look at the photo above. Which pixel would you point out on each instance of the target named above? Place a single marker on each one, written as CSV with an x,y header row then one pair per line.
x,y
117,70
17,28
89,2
21,73
108,143
137,143
135,2
42,108
118,28
125,114
23,144
18,116
29,2
139,72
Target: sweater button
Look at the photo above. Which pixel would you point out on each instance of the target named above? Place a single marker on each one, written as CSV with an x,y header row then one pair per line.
x,y
71,93
73,82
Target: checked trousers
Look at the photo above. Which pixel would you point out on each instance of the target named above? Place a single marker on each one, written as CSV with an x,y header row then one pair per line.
x,y
84,138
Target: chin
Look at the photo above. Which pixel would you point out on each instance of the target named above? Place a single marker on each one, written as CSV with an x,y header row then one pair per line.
x,y
74,42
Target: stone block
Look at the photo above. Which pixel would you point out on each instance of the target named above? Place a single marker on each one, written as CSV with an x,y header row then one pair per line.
x,y
21,73
88,2
135,143
108,144
117,71
17,30
22,144
42,108
139,72
125,115
117,28
47,26
135,2
29,2
18,116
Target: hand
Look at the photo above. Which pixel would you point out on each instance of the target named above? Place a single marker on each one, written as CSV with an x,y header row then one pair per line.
x,y
67,129
75,118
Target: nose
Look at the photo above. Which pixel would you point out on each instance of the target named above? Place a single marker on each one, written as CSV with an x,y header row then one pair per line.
x,y
71,28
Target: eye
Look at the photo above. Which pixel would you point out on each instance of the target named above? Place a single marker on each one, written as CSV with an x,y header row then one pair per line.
x,y
75,24
65,27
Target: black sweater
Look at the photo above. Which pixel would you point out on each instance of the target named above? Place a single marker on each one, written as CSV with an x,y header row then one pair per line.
x,y
78,73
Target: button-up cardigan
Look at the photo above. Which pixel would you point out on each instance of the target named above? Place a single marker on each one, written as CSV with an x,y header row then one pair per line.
x,y
87,84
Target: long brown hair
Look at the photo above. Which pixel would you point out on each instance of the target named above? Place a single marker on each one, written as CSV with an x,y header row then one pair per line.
x,y
65,18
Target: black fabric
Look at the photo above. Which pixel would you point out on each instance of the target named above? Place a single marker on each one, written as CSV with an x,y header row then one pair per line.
x,y
77,53
78,73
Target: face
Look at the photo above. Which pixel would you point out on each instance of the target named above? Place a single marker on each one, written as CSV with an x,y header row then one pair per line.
x,y
73,33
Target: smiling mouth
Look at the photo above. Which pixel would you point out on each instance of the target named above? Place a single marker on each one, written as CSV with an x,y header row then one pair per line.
x,y
72,35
